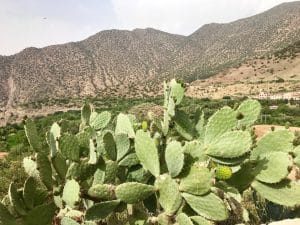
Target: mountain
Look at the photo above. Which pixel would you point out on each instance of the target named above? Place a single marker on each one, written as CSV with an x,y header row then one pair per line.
x,y
275,74
134,63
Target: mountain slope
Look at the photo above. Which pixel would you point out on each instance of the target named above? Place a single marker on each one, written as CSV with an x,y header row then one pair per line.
x,y
134,63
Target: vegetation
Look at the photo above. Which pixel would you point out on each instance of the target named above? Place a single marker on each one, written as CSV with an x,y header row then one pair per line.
x,y
178,170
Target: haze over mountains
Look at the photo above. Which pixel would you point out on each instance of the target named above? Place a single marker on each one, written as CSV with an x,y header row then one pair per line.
x,y
134,63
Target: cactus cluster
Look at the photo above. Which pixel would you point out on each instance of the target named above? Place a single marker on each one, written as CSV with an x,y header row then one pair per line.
x,y
173,171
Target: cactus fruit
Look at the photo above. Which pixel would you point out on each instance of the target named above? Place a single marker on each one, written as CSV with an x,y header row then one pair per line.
x,y
223,172
133,192
144,125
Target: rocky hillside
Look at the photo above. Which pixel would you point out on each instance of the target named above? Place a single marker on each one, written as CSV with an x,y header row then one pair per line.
x,y
274,73
134,63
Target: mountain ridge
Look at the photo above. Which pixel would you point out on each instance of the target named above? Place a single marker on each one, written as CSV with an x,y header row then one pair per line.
x,y
134,63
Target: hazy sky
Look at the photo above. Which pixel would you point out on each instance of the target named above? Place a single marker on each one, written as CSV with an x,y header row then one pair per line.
x,y
38,23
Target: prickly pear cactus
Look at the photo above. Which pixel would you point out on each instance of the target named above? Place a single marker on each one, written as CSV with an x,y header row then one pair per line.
x,y
172,172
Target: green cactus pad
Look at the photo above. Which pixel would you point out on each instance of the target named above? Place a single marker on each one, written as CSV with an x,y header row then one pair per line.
x,y
138,174
99,121
133,192
29,192
169,196
110,145
99,177
223,172
176,91
74,171
250,109
32,135
209,206
219,123
230,162
183,219
276,168
69,147
243,178
284,193
200,126
184,125
101,210
71,193
30,167
42,214
124,126
102,192
197,182
231,144
144,125
111,171
52,136
164,219
60,166
45,170
129,160
68,221
174,158
85,113
15,200
199,220
147,152
122,144
196,150
5,217
276,141
93,153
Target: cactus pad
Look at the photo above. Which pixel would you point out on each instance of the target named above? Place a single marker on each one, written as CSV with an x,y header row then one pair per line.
x,y
69,147
284,193
124,126
134,192
174,158
276,168
45,170
199,220
101,210
102,191
169,196
122,144
71,193
250,109
197,182
99,121
183,219
209,206
219,123
276,141
147,152
231,144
